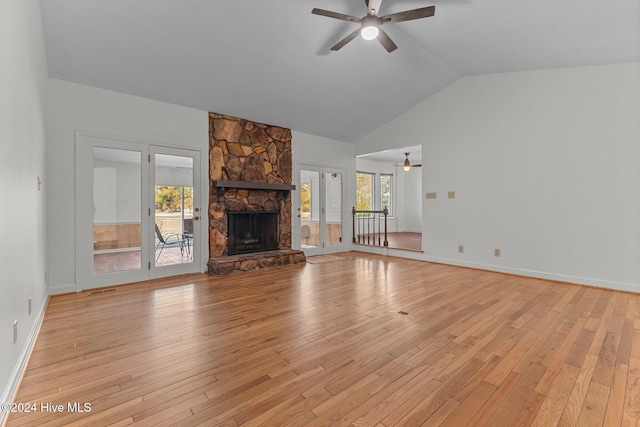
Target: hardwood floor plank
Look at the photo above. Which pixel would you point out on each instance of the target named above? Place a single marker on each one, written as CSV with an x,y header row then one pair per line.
x,y
555,402
442,413
389,382
470,405
635,346
631,411
626,339
330,411
487,410
507,412
556,359
520,350
595,404
325,344
529,411
411,389
580,347
572,410
476,378
603,373
430,404
615,404
397,417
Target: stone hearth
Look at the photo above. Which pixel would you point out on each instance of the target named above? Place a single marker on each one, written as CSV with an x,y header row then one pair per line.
x,y
250,169
221,266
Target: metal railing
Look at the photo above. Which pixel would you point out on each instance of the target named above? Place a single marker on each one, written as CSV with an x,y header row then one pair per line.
x,y
368,227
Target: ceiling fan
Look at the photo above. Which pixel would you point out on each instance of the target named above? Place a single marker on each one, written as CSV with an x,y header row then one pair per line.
x,y
371,22
407,165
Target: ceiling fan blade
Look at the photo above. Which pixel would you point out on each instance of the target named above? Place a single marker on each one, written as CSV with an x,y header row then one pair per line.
x,y
346,40
386,41
373,6
408,15
335,15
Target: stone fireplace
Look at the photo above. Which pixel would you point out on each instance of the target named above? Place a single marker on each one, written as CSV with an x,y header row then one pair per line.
x,y
250,173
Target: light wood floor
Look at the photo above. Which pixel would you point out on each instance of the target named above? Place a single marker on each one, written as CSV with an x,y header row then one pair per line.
x,y
329,344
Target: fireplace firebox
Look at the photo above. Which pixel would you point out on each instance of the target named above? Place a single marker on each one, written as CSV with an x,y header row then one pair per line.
x,y
252,231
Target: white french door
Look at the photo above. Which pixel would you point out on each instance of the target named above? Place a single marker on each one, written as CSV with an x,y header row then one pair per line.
x,y
175,212
136,211
320,210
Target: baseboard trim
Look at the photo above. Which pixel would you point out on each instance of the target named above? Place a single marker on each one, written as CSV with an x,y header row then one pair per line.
x,y
62,289
556,277
18,371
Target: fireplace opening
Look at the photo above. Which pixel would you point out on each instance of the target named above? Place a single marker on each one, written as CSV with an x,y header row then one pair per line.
x,y
252,232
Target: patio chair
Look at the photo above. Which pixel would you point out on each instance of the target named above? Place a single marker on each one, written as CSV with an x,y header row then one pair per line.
x,y
187,234
168,239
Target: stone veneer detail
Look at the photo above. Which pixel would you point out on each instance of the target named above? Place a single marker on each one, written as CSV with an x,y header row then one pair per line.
x,y
242,150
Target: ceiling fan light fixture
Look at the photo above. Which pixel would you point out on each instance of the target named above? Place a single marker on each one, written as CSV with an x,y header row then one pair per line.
x,y
407,165
369,33
369,27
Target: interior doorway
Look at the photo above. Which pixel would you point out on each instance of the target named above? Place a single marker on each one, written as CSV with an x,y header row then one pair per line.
x,y
395,182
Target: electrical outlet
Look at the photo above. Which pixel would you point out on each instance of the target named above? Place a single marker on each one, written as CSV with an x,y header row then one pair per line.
x,y
451,194
496,252
460,249
29,306
431,195
15,331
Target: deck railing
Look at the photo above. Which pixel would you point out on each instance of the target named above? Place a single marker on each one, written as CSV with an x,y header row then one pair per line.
x,y
368,227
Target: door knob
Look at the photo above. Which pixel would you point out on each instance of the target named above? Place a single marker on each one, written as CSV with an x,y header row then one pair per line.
x,y
197,209
196,218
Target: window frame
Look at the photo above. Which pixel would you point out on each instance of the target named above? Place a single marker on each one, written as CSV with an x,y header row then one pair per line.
x,y
390,207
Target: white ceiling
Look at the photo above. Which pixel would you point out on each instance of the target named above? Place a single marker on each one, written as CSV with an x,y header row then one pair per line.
x,y
269,61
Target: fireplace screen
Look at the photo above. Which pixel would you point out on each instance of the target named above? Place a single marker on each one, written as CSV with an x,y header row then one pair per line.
x,y
252,232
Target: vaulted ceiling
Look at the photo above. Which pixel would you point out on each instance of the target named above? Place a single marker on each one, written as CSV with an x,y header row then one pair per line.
x,y
270,61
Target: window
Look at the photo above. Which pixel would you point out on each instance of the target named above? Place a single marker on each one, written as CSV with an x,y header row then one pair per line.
x,y
386,191
305,200
364,191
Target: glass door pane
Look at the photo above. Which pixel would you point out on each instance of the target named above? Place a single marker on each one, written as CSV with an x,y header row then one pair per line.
x,y
110,212
174,210
117,222
333,203
309,209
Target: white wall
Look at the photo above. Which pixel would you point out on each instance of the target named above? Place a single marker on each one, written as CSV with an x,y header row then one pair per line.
x,y
544,165
74,107
317,151
412,218
22,144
